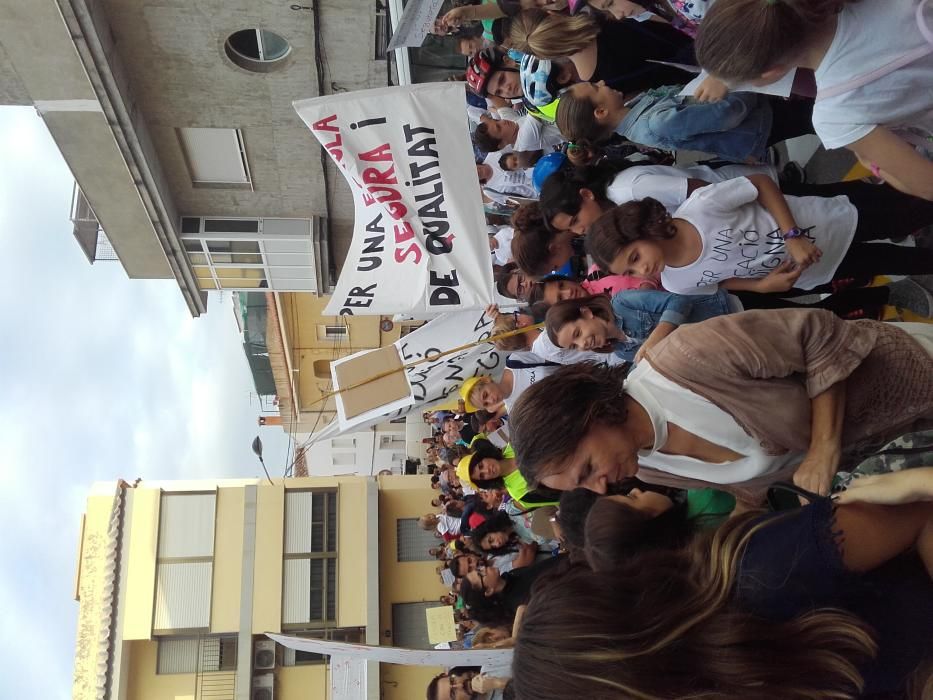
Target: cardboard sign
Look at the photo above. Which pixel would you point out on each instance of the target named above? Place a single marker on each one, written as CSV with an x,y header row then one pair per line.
x,y
441,625
363,397
429,383
419,243
415,23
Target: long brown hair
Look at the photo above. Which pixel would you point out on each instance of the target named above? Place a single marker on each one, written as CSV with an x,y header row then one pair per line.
x,y
663,626
741,39
551,35
551,417
625,224
570,310
532,240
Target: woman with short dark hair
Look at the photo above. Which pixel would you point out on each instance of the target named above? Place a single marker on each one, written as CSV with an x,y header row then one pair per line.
x,y
740,401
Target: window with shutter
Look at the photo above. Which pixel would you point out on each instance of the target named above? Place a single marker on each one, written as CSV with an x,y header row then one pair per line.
x,y
309,579
185,562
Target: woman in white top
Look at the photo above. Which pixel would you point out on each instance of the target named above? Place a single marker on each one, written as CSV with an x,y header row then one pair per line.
x,y
873,63
744,235
740,400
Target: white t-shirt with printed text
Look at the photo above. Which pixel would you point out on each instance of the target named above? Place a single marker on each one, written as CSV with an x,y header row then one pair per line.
x,y
741,239
514,182
668,183
869,35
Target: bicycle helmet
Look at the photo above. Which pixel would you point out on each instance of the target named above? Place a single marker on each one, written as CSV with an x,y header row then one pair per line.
x,y
534,74
481,66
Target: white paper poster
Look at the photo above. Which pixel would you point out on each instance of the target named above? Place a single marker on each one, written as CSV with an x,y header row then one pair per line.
x,y
416,21
433,382
419,241
497,658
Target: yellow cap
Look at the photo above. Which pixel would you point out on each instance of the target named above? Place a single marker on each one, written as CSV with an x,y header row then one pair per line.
x,y
465,390
463,471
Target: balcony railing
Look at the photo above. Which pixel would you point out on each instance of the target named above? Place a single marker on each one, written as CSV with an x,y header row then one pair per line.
x,y
216,685
216,676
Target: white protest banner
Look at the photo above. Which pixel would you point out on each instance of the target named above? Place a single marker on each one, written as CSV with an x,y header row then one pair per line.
x,y
431,382
419,242
416,21
499,659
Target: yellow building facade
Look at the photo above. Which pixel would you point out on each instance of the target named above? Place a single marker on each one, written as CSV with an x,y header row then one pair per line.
x,y
178,582
302,342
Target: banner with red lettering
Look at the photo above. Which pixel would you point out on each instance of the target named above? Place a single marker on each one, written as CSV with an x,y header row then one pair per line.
x,y
419,241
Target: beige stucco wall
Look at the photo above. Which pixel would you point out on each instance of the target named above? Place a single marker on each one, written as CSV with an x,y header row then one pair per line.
x,y
351,547
143,531
302,682
407,582
228,560
267,571
145,684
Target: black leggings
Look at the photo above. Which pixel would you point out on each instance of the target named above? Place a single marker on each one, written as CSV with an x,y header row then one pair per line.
x,y
883,212
867,301
790,118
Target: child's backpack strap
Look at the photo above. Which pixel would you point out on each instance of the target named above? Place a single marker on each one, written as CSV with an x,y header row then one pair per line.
x,y
890,67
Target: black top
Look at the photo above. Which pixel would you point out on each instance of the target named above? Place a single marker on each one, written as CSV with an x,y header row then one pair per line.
x,y
624,51
518,582
794,565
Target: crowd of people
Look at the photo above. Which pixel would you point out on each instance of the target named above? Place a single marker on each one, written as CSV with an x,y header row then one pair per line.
x,y
663,494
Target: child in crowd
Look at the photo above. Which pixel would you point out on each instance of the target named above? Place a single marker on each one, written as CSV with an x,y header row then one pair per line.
x,y
535,343
740,127
743,234
873,63
573,198
500,242
684,15
498,184
631,322
444,526
555,288
509,162
488,467
620,527
536,248
524,134
496,397
542,82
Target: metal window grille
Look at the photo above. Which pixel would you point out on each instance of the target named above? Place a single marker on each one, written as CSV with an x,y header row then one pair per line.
x,y
196,654
413,543
410,626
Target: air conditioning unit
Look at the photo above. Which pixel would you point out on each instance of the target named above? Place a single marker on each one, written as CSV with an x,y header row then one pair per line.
x,y
263,687
264,655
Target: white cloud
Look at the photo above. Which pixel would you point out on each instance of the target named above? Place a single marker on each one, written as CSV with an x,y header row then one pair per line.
x,y
103,377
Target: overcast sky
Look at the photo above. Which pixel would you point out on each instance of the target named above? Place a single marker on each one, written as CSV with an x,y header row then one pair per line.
x,y
103,377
